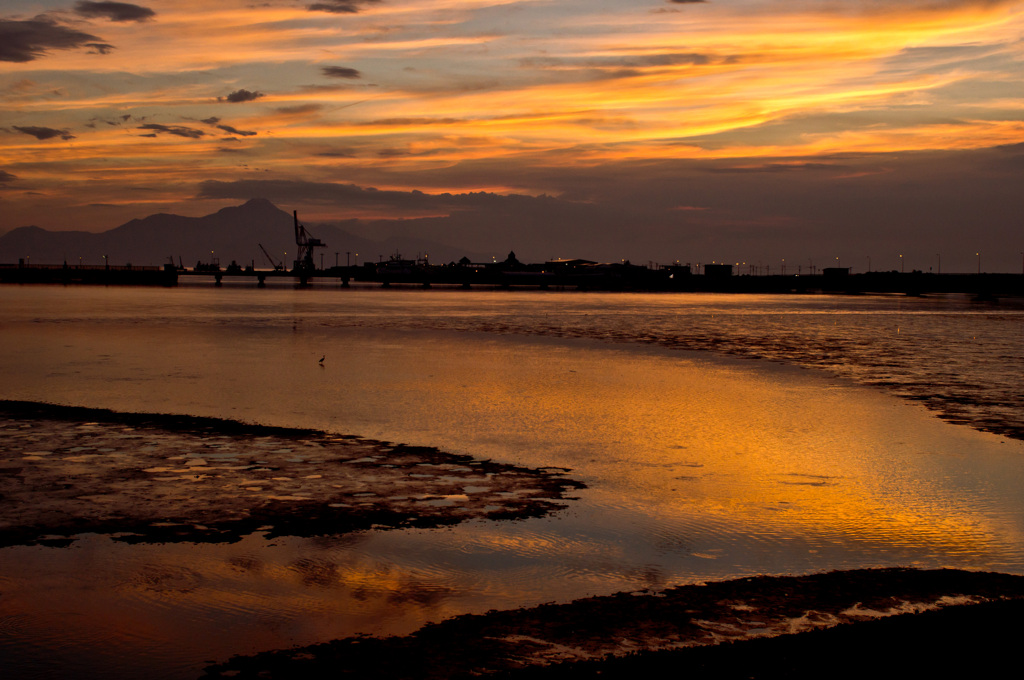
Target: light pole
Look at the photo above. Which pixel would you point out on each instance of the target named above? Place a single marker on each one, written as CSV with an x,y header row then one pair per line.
x,y
979,262
902,270
939,255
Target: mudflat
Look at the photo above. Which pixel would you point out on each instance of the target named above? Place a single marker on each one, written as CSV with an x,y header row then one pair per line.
x,y
157,478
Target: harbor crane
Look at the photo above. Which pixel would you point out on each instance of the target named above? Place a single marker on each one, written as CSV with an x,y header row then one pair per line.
x,y
278,266
306,244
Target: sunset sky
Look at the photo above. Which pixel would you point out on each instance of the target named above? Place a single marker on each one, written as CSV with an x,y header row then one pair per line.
x,y
817,131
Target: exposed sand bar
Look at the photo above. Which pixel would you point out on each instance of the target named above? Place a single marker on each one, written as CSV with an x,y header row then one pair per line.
x,y
66,471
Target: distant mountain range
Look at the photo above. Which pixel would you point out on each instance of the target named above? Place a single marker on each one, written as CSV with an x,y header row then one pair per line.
x,y
229,234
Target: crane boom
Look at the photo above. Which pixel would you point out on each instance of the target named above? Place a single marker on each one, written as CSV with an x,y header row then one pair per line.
x,y
277,266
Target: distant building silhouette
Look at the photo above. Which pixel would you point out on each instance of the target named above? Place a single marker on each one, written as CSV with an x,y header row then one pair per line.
x,y
718,270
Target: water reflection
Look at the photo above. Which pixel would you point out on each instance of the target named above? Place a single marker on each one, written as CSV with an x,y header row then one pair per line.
x,y
109,610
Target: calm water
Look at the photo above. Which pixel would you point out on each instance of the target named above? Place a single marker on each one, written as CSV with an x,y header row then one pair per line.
x,y
702,462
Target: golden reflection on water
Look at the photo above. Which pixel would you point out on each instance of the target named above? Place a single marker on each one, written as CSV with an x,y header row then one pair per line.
x,y
774,450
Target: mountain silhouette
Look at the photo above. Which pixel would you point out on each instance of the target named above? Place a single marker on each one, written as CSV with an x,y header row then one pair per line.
x,y
232,233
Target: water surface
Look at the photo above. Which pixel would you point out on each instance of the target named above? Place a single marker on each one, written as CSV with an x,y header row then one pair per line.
x,y
700,465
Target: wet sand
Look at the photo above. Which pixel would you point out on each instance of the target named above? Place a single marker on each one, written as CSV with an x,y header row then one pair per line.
x,y
152,478
885,623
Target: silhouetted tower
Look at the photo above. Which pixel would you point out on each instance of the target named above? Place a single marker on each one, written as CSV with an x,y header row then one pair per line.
x,y
306,244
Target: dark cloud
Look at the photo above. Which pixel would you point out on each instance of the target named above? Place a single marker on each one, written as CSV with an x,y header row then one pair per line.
x,y
99,48
215,122
176,130
337,153
22,41
300,109
340,6
6,177
685,2
341,72
113,122
235,131
115,11
43,132
241,96
351,195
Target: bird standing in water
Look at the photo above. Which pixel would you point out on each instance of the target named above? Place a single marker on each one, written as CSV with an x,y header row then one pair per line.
x,y
322,359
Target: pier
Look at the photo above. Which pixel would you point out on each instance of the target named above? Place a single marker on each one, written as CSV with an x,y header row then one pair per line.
x,y
558,275
629,278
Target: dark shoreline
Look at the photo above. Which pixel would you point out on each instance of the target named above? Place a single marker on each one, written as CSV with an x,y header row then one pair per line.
x,y
168,421
729,629
965,641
